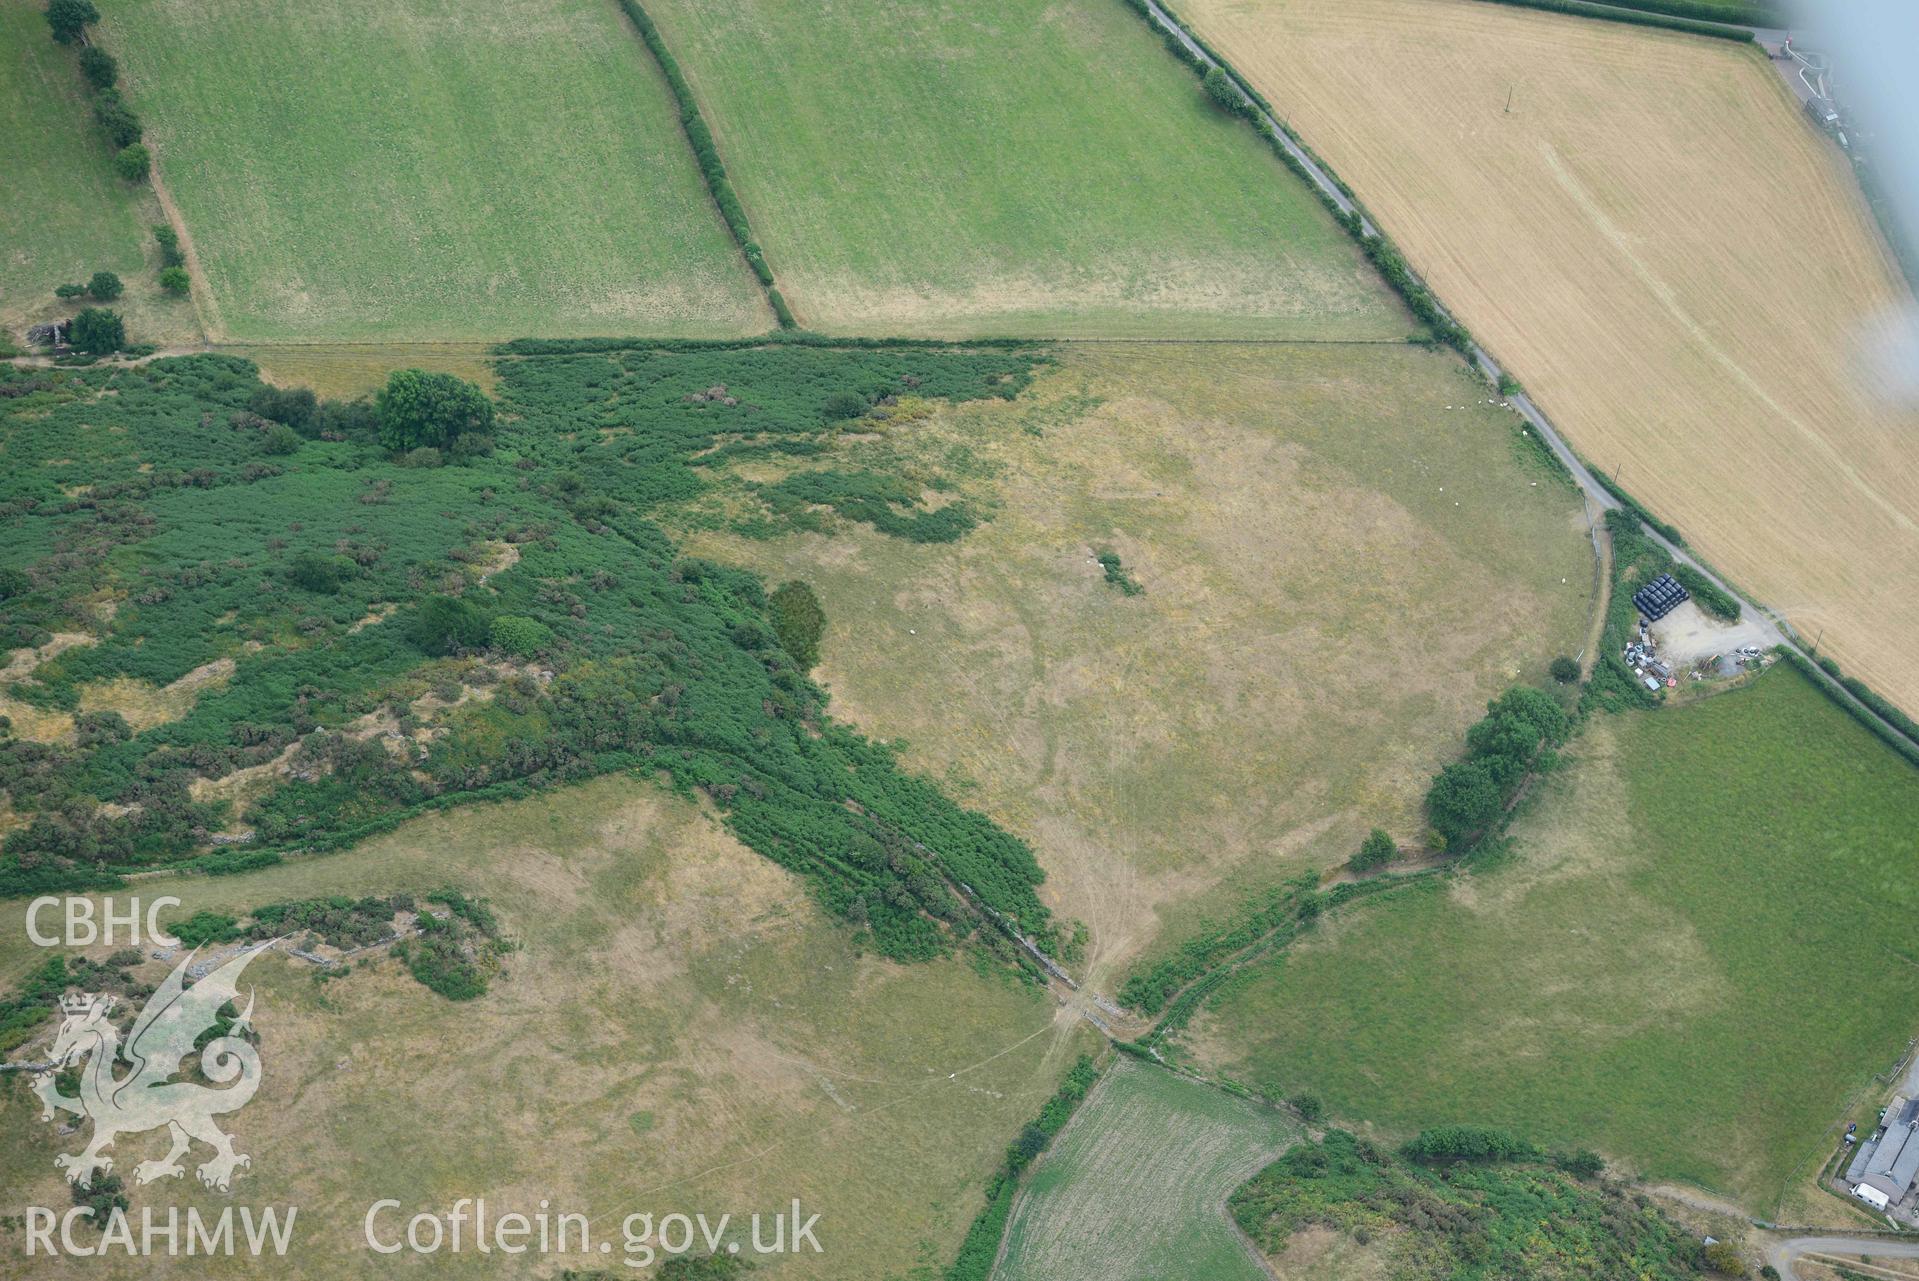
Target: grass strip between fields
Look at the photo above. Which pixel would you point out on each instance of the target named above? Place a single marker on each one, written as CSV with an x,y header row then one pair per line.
x,y
700,138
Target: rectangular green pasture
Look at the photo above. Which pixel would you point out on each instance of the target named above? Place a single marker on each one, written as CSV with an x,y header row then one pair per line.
x,y
1025,167
430,170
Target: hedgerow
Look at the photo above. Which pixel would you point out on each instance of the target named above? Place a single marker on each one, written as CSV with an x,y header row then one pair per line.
x,y
1149,989
1708,595
1220,80
787,338
712,169
980,1249
1637,560
1385,255
1637,508
1176,985
68,21
1467,1143
1902,735
652,661
1757,13
1671,15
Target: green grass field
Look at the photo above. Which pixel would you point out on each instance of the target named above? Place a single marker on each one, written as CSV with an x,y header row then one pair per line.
x,y
681,1030
65,215
1699,951
1029,167
1135,1188
429,171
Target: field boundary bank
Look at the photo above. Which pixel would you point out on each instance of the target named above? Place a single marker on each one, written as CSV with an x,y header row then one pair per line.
x,y
699,138
783,337
1186,44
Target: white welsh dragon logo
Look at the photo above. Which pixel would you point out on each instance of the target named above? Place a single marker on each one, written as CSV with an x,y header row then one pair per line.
x,y
147,1097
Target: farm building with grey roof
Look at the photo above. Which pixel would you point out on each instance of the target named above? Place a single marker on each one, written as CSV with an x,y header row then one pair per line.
x,y
1886,1165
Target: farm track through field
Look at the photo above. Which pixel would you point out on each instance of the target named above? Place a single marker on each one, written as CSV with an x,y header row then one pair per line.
x,y
205,306
1777,630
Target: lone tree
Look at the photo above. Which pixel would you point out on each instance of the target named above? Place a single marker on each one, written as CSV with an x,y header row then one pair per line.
x,y
1377,851
446,625
799,622
98,331
105,286
69,19
844,404
317,573
420,409
175,280
1565,670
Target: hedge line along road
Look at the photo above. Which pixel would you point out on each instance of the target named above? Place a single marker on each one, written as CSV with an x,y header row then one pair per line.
x,y
1776,630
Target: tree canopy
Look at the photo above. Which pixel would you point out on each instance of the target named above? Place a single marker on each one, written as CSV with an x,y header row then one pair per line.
x,y
446,624
69,18
420,409
1468,796
798,621
134,162
98,331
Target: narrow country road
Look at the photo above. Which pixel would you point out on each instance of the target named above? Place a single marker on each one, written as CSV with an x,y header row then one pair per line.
x,y
1775,629
1783,1254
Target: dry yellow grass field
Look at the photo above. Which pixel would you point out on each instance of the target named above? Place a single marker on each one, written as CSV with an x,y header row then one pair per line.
x,y
1342,557
1665,252
681,1029
359,369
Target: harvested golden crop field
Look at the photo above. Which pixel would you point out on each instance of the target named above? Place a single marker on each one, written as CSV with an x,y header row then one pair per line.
x,y
1676,265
